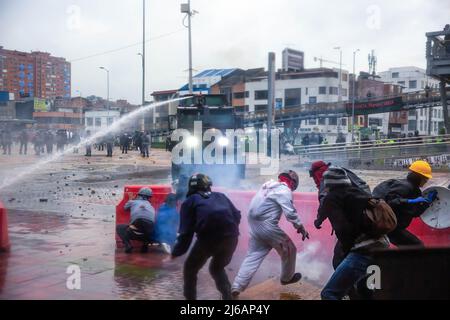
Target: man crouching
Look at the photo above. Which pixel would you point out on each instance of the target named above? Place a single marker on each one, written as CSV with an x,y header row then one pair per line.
x,y
141,221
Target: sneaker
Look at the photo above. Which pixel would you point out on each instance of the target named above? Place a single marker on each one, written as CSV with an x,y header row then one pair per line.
x,y
296,278
235,294
166,248
144,248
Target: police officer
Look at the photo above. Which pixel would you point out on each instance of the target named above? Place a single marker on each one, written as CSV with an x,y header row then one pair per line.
x,y
215,220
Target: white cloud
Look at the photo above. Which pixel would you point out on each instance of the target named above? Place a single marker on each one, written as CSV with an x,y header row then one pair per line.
x,y
226,33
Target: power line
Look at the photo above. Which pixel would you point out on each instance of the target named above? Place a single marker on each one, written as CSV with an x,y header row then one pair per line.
x,y
126,47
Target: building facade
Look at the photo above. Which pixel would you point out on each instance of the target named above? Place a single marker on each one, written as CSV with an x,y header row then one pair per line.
x,y
411,79
96,121
35,74
292,89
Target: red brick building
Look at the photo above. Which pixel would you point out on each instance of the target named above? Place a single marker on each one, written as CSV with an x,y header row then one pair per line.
x,y
36,74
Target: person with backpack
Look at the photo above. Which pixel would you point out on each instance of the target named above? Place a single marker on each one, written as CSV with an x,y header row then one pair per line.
x,y
215,220
406,199
346,207
316,172
266,207
141,224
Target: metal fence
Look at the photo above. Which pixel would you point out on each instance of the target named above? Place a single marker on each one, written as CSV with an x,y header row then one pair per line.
x,y
391,149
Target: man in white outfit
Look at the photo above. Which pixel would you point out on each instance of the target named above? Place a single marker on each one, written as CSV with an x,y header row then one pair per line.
x,y
273,199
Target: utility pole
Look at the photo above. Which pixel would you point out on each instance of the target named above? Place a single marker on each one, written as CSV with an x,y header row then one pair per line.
x,y
143,52
354,94
270,100
445,106
186,8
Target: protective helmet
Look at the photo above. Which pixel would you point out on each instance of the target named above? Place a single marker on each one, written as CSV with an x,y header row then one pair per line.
x,y
199,182
291,175
145,192
423,168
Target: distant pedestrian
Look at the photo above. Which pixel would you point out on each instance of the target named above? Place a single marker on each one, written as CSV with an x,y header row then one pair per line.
x,y
109,145
88,145
23,139
145,144
7,142
49,141
124,143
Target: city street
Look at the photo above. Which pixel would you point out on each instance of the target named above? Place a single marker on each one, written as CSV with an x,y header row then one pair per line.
x,y
64,214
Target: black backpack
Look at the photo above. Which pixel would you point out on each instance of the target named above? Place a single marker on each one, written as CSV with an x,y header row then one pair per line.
x,y
358,182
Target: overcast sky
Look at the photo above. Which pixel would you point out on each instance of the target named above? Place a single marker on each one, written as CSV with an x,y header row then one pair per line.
x,y
226,34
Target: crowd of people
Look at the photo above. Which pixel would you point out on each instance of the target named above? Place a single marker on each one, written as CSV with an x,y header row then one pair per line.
x,y
46,142
361,219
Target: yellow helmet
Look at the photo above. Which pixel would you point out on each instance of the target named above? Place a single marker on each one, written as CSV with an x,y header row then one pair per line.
x,y
421,167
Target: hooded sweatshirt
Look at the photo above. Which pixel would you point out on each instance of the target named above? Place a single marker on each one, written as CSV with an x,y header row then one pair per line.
x,y
273,199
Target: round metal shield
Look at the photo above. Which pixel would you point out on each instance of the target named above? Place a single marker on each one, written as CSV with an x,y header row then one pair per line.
x,y
438,214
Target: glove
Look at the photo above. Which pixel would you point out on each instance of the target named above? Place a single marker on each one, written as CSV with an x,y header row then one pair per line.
x,y
305,235
420,200
317,224
432,195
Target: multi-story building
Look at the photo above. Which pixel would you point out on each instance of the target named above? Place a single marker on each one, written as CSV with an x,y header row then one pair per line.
x,y
203,81
292,89
425,121
35,74
96,121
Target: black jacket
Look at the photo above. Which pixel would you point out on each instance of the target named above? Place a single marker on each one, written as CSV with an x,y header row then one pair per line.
x,y
397,193
356,182
212,216
344,206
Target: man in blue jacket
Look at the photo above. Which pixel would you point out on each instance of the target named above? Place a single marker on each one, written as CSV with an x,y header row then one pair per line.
x,y
215,220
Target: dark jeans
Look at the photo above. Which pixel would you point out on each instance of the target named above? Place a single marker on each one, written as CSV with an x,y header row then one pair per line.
x,y
23,148
351,270
221,252
339,255
88,150
125,148
144,150
7,148
144,227
49,148
109,149
402,237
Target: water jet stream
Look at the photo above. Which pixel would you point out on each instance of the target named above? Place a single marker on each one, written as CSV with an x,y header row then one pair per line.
x,y
15,178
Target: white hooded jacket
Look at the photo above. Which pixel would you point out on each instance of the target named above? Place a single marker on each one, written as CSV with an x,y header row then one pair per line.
x,y
273,199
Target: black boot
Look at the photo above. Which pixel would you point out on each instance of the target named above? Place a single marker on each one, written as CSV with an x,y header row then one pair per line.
x,y
296,278
144,248
128,247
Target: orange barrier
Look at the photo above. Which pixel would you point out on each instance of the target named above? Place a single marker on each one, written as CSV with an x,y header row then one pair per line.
x,y
123,217
4,237
321,243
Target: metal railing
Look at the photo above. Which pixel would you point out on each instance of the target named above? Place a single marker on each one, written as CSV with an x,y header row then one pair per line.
x,y
379,149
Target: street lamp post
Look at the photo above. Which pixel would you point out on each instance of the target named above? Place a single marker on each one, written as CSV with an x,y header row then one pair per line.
x,y
186,8
143,52
339,121
107,99
340,73
107,85
354,93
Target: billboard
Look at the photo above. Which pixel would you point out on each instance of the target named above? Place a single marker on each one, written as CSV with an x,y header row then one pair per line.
x,y
40,105
293,60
